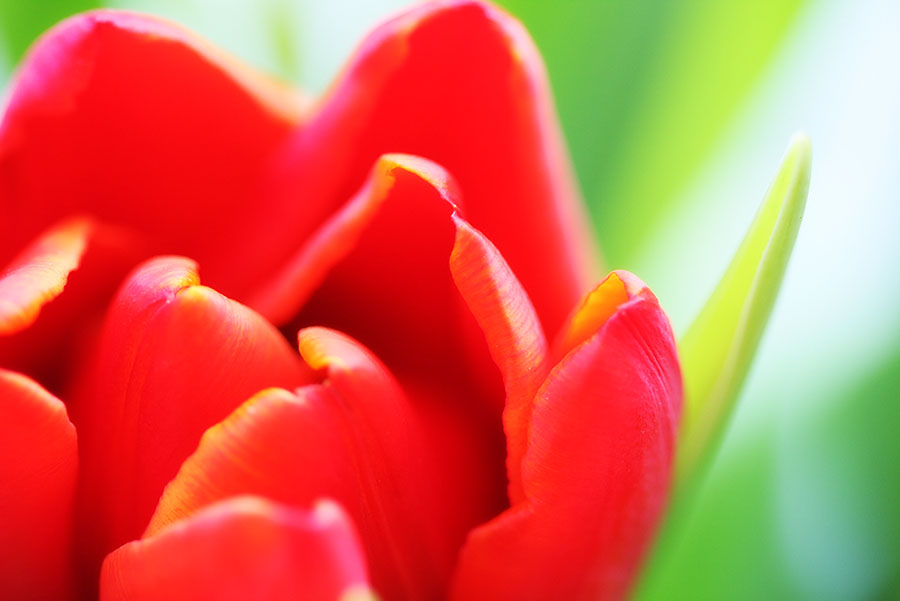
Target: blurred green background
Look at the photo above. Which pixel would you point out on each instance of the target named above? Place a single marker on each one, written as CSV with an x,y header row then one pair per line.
x,y
677,113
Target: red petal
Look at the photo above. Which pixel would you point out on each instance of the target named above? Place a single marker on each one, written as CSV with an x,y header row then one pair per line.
x,y
596,472
355,438
387,282
418,186
444,488
39,273
134,121
38,468
52,294
174,358
595,310
240,549
461,84
513,332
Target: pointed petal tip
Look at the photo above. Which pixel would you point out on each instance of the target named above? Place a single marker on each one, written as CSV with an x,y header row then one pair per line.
x,y
327,511
156,279
522,46
633,285
167,271
40,272
597,306
323,348
427,170
359,593
332,352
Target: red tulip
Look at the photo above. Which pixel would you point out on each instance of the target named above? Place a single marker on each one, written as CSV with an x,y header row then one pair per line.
x,y
459,454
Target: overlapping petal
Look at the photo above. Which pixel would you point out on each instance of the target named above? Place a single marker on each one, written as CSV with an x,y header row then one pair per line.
x,y
38,469
239,549
133,120
53,294
596,471
357,438
459,83
512,330
39,274
174,358
400,269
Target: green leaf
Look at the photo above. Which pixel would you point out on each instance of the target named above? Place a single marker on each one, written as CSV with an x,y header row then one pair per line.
x,y
601,60
717,350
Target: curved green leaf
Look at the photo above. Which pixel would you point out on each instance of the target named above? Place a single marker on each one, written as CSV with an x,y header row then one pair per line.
x,y
717,350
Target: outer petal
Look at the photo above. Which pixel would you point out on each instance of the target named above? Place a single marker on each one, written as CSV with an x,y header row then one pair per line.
x,y
459,83
596,472
357,438
174,358
53,292
38,468
132,120
243,548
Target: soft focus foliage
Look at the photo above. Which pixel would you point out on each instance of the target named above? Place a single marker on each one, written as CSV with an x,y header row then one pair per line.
x,y
20,22
644,90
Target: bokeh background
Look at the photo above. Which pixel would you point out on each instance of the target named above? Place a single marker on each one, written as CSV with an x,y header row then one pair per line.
x,y
676,113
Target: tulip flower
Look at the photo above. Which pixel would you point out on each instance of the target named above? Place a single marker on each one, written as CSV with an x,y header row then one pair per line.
x,y
398,374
